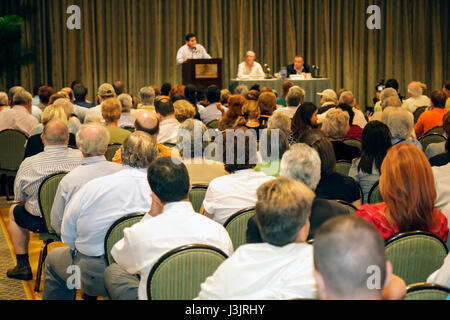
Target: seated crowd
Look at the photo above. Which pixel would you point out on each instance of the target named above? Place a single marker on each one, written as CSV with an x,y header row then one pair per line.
x,y
251,149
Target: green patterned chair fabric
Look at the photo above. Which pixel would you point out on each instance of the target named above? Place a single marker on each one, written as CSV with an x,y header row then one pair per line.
x,y
196,196
111,151
415,255
213,124
46,196
353,142
426,291
12,146
431,138
178,274
351,208
374,194
343,167
236,226
418,112
115,232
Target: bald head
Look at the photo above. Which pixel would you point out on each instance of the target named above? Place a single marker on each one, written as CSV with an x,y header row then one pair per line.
x,y
92,139
55,133
415,89
348,251
147,122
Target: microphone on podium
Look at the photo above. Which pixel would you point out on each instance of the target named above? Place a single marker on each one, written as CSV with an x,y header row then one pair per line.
x,y
193,51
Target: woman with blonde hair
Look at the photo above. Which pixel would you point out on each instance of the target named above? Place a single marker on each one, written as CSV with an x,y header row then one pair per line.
x,y
250,118
409,193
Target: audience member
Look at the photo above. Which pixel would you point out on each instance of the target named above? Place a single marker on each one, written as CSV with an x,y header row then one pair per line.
x,y
92,141
225,94
272,146
441,149
250,118
26,216
304,119
345,250
442,275
287,84
111,112
228,194
19,117
90,213
376,141
165,89
348,98
354,131
335,127
282,266
147,95
432,118
44,94
126,119
332,185
235,104
242,90
105,91
329,100
80,94
294,99
119,87
416,97
4,101
212,111
267,103
183,110
168,124
446,89
401,126
195,149
177,89
171,223
280,121
409,194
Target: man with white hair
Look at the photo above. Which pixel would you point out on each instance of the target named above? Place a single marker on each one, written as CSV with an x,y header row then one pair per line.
x,y
347,97
294,99
126,119
19,116
105,91
26,216
92,141
250,69
147,95
416,98
388,98
4,101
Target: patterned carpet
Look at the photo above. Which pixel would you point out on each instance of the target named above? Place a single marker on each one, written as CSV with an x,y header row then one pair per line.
x,y
10,289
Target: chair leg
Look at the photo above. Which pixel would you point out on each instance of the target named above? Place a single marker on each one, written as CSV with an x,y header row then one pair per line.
x,y
42,256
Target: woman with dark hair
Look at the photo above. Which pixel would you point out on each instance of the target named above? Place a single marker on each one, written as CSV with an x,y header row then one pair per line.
x,y
305,118
376,141
165,89
332,185
354,131
409,194
190,93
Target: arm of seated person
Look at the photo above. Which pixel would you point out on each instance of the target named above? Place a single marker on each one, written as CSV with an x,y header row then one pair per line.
x,y
395,289
205,213
357,203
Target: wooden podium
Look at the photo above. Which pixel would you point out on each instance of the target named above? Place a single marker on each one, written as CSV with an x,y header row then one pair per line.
x,y
202,72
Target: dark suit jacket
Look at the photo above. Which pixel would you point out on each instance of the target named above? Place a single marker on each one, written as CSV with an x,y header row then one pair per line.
x,y
321,211
291,70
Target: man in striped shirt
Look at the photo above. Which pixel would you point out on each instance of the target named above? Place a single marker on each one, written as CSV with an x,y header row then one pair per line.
x,y
26,215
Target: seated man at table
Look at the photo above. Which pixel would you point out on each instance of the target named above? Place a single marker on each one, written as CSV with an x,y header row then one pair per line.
x,y
298,67
250,69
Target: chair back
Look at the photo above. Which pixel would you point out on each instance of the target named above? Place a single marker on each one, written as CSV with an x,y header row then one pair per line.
x,y
343,167
353,142
129,128
426,291
213,124
431,138
415,255
169,145
111,151
418,112
12,146
374,194
351,208
178,274
115,233
236,225
46,197
196,196
438,129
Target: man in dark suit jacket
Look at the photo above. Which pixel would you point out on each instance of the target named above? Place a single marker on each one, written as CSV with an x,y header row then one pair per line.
x,y
298,67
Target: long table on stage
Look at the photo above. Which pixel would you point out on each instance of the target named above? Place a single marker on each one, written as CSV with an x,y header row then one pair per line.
x,y
311,86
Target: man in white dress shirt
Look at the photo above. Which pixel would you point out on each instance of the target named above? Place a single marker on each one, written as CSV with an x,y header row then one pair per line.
x,y
19,116
250,69
26,215
281,267
92,141
171,223
105,91
211,112
89,215
191,50
168,124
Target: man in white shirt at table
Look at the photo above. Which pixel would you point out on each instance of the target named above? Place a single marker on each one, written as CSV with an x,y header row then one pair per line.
x,y
191,50
280,268
250,69
171,223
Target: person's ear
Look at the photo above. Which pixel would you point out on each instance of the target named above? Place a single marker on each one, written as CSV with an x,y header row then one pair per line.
x,y
388,273
321,288
42,138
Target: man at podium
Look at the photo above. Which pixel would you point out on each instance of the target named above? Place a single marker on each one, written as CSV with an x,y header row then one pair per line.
x,y
191,50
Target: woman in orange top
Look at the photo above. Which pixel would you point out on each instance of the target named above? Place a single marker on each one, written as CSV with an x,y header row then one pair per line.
x,y
409,193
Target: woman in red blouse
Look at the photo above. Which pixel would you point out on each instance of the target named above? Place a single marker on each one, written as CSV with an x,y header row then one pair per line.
x,y
409,193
